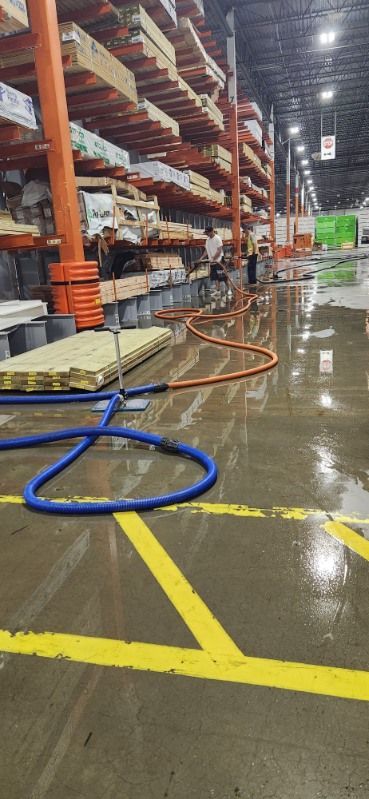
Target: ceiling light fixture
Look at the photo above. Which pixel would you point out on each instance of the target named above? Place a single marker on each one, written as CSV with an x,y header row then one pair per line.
x,y
327,94
327,37
307,171
294,130
300,148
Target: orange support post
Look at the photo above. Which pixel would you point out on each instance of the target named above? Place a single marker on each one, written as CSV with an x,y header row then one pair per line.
x,y
50,78
272,206
296,203
233,127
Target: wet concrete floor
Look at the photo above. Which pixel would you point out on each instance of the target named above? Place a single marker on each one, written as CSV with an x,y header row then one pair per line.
x,y
280,586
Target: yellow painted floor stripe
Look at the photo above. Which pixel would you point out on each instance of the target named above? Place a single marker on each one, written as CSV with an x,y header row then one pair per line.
x,y
349,538
204,626
277,512
301,677
222,509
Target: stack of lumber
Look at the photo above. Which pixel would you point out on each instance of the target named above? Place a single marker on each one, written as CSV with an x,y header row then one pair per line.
x,y
212,110
138,21
187,41
219,155
225,233
13,15
88,55
16,108
10,228
161,172
245,203
123,289
163,261
84,361
174,230
247,151
201,187
155,114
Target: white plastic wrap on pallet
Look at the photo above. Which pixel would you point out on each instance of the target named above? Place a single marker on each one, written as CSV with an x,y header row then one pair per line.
x,y
160,171
95,147
166,277
17,107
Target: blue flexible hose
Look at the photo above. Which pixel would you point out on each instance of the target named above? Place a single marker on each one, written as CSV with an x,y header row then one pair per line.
x,y
89,436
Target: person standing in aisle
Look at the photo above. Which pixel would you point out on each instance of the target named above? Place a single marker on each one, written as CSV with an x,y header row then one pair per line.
x,y
214,253
251,249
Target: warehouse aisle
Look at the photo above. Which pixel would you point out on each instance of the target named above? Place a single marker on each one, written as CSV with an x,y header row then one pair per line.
x,y
264,565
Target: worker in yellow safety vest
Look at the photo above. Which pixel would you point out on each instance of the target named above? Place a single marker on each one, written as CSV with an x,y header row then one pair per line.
x,y
250,249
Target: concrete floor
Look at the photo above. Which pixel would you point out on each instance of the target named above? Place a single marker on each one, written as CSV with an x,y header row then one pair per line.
x,y
280,586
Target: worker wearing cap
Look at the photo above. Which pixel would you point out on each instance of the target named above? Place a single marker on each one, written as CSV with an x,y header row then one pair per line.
x,y
250,248
214,253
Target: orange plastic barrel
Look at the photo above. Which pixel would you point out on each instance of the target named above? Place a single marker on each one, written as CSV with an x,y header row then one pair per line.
x,y
76,290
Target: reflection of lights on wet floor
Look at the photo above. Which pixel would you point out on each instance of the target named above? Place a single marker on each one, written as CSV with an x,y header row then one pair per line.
x,y
295,372
305,336
327,566
326,400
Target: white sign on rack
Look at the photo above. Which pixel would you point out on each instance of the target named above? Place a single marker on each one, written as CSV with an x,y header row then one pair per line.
x,y
328,147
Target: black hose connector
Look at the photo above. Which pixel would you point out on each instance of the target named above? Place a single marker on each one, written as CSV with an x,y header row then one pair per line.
x,y
159,387
169,444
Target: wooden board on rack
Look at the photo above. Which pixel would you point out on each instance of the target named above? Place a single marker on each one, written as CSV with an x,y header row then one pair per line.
x,y
123,289
84,361
10,228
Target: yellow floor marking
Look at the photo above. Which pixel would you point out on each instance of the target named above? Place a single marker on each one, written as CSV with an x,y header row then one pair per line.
x,y
222,509
347,537
204,626
277,512
301,677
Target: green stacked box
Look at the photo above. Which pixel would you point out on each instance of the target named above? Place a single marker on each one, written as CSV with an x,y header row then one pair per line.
x,y
345,230
325,230
336,230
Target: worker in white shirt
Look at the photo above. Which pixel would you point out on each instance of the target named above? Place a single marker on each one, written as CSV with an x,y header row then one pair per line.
x,y
214,253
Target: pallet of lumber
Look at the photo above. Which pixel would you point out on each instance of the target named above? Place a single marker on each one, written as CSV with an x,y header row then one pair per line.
x,y
13,16
137,20
10,228
201,271
107,184
123,289
212,110
84,361
219,155
176,231
146,49
170,260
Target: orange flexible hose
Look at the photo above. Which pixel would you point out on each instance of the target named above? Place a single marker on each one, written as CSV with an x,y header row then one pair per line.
x,y
192,316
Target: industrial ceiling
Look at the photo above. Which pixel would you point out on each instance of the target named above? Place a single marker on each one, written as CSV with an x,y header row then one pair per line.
x,y
284,66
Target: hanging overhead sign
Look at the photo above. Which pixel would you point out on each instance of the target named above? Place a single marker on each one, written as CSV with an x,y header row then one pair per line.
x,y
328,147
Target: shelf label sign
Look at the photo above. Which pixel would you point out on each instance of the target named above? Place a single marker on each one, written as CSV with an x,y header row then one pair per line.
x,y
328,148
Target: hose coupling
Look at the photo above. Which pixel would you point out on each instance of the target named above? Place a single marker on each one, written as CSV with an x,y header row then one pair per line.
x,y
159,388
169,444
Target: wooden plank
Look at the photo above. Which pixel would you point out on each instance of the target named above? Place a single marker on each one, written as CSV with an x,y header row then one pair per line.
x,y
84,361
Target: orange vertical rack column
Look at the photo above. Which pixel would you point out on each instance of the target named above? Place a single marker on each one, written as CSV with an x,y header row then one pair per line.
x,y
51,87
233,129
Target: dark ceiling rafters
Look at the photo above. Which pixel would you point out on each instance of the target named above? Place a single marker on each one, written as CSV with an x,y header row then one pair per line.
x,y
283,65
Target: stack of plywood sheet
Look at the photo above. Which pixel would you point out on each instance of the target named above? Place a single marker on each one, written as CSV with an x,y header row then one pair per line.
x,y
123,289
13,15
85,361
162,261
219,155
